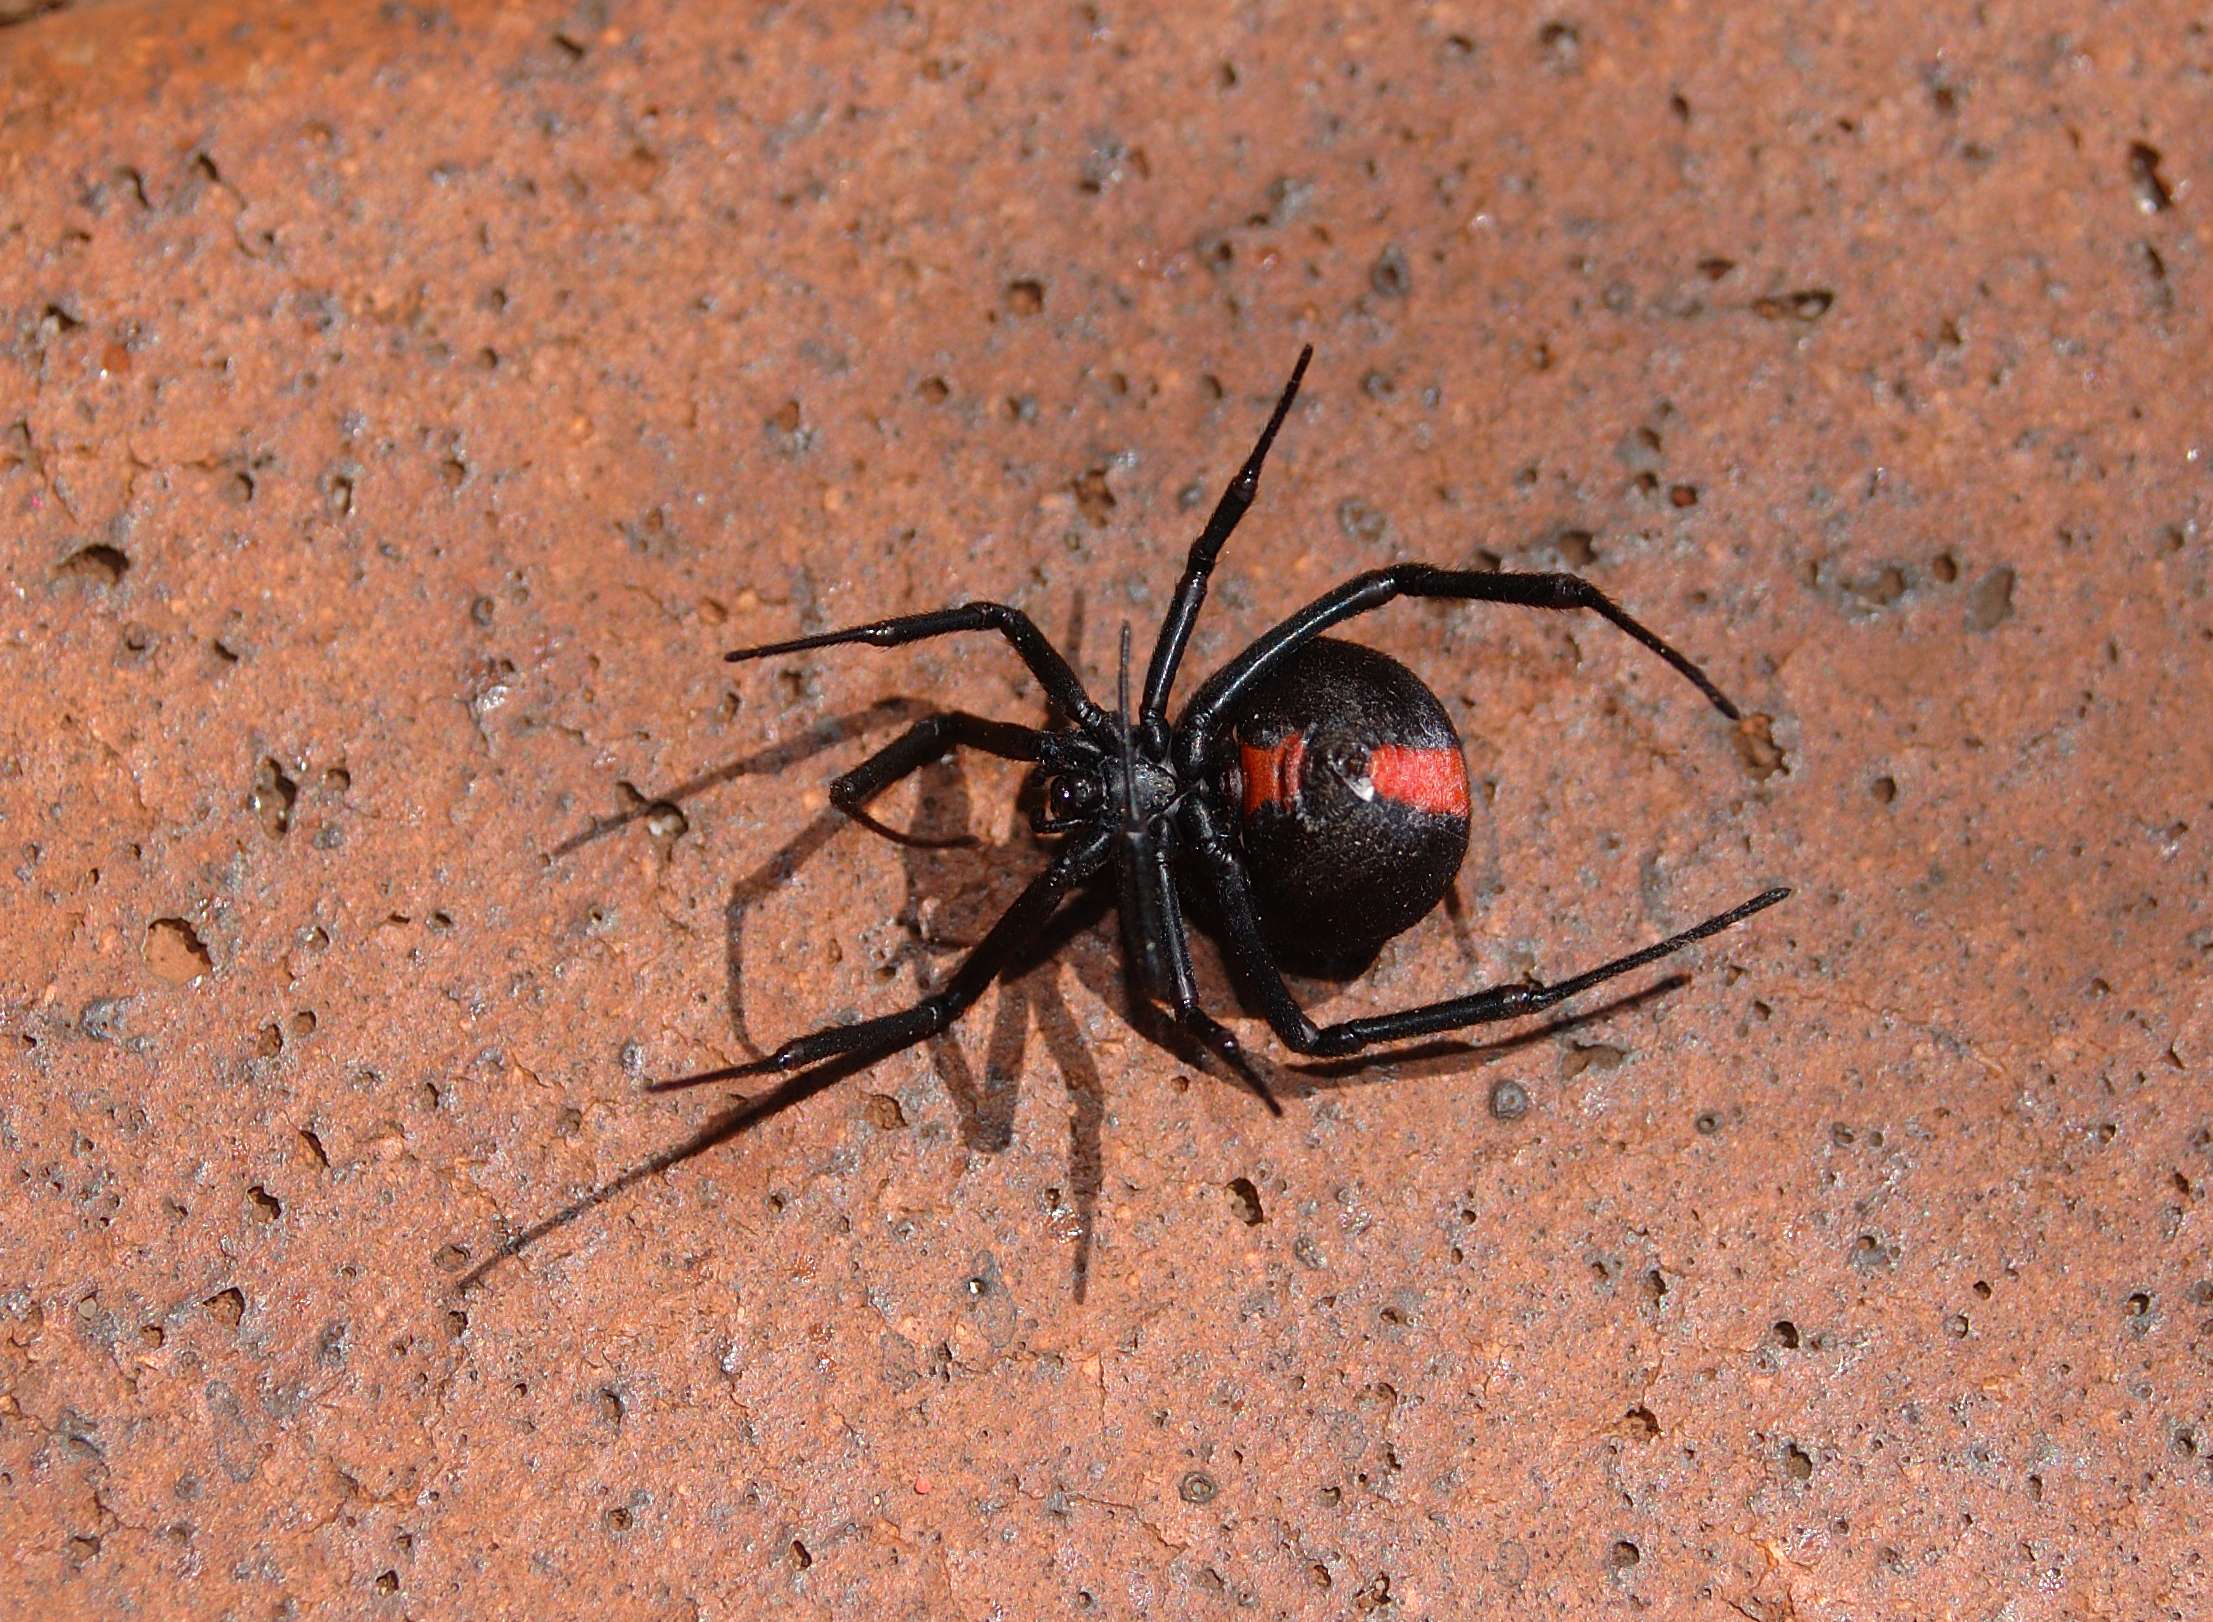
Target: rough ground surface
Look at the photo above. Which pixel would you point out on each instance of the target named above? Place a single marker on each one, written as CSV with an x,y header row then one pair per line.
x,y
402,407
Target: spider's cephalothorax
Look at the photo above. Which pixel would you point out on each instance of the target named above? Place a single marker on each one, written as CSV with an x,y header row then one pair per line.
x,y
1311,792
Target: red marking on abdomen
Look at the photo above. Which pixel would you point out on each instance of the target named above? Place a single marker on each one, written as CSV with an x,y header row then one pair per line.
x,y
1272,774
1432,780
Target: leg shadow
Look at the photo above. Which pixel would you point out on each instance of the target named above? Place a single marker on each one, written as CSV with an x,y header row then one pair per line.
x,y
739,1118
825,734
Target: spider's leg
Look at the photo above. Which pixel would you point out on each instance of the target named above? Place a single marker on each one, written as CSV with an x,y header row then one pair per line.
x,y
1250,952
887,1033
1175,630
1183,994
1045,661
915,748
1511,1002
1195,732
1218,858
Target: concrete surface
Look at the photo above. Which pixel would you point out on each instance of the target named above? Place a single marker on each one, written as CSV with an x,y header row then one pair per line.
x,y
402,407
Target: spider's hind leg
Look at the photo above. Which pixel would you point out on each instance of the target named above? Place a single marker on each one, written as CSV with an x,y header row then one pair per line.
x,y
1249,952
1511,1002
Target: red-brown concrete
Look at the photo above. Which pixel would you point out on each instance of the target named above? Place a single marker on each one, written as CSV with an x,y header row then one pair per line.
x,y
402,407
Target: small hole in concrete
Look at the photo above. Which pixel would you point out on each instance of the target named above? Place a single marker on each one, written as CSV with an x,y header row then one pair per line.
x,y
102,565
175,952
1245,1199
2152,195
1990,604
1807,306
1757,748
1582,1056
1093,499
273,797
1389,275
1562,46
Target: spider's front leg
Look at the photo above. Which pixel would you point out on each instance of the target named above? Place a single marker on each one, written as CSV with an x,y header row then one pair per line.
x,y
1045,661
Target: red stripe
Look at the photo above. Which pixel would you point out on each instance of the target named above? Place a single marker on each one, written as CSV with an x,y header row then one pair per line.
x,y
1433,780
1272,774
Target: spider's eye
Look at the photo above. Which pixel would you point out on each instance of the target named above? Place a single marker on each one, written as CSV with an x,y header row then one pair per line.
x,y
1069,796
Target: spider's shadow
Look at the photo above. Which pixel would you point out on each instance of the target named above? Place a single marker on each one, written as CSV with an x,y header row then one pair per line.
x,y
984,1098
939,930
944,912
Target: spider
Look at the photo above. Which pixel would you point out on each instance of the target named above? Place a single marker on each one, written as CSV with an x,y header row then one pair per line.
x,y
1312,796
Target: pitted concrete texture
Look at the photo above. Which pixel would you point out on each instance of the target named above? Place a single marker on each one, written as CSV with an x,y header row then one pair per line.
x,y
403,407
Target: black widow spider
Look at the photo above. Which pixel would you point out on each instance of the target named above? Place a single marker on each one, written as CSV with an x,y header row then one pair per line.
x,y
1313,796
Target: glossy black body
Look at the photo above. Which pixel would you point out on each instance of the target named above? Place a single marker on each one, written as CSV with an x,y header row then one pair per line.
x,y
1339,866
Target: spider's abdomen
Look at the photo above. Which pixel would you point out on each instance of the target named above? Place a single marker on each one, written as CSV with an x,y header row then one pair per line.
x,y
1352,801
